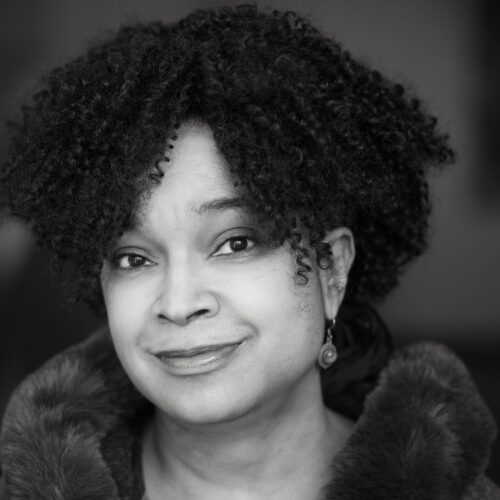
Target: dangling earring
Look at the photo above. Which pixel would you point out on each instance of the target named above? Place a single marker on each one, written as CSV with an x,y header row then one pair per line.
x,y
328,352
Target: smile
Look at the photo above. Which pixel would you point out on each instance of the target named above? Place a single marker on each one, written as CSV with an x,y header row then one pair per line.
x,y
197,360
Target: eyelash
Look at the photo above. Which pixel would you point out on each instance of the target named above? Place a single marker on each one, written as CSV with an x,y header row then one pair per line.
x,y
238,253
234,254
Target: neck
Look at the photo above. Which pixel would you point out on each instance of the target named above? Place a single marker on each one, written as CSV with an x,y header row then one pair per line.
x,y
283,450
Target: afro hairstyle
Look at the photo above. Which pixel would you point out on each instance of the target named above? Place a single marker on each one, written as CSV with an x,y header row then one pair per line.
x,y
314,139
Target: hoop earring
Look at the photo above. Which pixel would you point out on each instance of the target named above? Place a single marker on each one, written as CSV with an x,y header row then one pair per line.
x,y
328,352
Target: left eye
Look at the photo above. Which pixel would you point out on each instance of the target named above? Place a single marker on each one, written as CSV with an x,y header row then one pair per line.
x,y
131,261
236,244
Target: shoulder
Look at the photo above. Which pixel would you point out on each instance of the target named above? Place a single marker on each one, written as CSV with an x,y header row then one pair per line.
x,y
482,489
59,419
424,419
3,489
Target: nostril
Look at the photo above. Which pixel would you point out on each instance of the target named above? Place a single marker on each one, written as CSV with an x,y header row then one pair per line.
x,y
196,314
201,312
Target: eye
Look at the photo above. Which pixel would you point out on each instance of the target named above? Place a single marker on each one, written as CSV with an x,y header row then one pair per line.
x,y
236,245
130,261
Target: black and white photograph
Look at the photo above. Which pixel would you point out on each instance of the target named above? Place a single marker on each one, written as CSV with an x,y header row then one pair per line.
x,y
249,251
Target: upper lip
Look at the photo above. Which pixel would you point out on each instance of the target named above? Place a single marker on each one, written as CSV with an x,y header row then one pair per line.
x,y
193,351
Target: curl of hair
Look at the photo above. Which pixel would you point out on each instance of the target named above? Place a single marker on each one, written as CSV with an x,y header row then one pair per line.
x,y
314,139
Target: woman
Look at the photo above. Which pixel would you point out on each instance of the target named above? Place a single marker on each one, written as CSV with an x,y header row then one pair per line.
x,y
206,185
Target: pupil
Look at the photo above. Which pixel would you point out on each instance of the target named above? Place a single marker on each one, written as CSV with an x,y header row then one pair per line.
x,y
135,260
238,244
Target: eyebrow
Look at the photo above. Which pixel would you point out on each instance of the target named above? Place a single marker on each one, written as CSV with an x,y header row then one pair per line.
x,y
220,204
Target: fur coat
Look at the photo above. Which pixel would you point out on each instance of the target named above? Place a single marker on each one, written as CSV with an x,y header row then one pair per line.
x,y
71,430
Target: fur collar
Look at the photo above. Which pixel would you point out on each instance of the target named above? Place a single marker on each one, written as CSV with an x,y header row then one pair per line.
x,y
70,430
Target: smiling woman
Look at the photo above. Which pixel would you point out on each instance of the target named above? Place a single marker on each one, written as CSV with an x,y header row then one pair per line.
x,y
231,191
194,261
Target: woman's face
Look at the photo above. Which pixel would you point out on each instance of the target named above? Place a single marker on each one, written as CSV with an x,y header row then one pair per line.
x,y
204,314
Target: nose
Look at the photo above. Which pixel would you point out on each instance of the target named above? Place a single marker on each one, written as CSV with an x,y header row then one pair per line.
x,y
183,296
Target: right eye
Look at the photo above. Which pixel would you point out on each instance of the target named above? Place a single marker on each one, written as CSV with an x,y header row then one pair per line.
x,y
130,261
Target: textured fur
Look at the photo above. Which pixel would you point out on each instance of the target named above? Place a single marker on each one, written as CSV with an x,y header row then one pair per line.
x,y
71,432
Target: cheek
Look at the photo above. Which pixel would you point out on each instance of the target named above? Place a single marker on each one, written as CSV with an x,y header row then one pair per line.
x,y
289,318
128,306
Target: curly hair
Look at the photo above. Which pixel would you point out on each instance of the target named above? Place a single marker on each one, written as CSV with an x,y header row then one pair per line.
x,y
314,140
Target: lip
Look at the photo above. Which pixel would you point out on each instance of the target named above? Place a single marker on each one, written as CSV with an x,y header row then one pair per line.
x,y
198,360
193,351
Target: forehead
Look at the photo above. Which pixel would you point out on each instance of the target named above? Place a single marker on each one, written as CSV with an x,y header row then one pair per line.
x,y
196,157
195,152
196,180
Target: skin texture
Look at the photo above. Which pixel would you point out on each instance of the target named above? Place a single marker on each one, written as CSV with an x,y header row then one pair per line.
x,y
175,282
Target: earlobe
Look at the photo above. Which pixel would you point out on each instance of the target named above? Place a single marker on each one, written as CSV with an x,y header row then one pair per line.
x,y
334,279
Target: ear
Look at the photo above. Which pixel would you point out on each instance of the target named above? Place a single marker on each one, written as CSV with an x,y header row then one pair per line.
x,y
334,280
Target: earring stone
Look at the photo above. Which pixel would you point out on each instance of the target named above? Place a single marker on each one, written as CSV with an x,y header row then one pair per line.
x,y
328,352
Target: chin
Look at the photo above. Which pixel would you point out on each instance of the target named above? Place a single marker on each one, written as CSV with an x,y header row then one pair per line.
x,y
223,395
208,409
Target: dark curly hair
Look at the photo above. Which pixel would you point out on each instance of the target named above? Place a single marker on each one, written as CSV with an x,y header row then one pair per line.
x,y
314,140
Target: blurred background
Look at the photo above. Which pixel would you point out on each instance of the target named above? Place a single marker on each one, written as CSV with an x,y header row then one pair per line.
x,y
447,50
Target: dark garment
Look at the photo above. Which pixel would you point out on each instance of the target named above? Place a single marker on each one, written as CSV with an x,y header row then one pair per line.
x,y
72,431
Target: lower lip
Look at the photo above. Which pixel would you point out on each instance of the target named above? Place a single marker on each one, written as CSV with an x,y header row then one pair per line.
x,y
200,363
